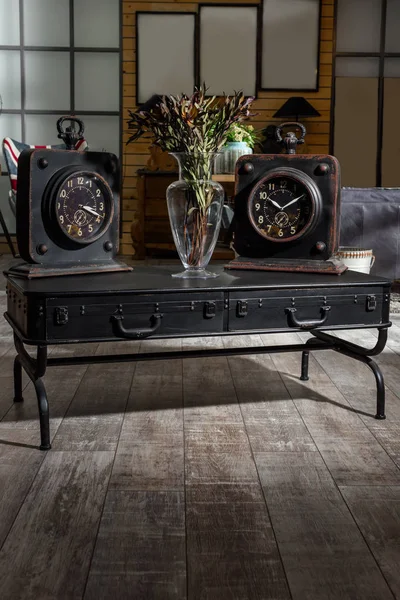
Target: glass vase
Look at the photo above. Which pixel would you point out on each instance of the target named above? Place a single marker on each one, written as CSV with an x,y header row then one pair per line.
x,y
195,209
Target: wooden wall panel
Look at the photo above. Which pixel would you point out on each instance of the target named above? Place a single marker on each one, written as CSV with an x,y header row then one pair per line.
x,y
135,156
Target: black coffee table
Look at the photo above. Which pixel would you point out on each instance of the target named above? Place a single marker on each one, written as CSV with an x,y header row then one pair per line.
x,y
148,302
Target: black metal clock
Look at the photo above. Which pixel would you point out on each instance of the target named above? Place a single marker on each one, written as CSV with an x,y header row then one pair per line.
x,y
287,212
67,210
81,204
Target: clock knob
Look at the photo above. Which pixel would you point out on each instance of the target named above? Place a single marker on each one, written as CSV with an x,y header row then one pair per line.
x,y
42,249
248,167
43,163
322,169
320,246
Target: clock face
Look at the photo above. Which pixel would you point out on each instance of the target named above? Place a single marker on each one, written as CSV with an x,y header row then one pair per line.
x,y
83,206
281,208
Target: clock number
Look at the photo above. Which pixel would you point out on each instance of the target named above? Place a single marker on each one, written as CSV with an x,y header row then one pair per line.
x,y
90,228
69,183
258,206
263,195
269,227
98,219
69,227
283,183
80,232
63,194
280,233
80,180
90,183
98,193
271,187
101,206
61,219
58,205
293,230
261,219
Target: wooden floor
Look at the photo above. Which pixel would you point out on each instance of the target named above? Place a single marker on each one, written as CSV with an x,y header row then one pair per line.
x,y
203,479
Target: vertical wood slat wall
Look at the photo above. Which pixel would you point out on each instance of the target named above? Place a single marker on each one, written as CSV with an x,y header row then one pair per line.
x,y
135,155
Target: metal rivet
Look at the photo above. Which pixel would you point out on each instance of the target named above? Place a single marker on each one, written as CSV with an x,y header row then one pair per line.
x,y
43,163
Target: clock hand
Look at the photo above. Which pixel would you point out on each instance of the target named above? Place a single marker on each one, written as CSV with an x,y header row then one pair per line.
x,y
90,210
275,203
292,202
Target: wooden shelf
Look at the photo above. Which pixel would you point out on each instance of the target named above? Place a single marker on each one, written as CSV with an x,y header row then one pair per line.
x,y
228,177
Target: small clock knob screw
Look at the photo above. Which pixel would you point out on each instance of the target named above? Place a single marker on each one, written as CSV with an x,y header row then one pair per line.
x,y
42,249
108,246
320,246
43,163
322,169
248,167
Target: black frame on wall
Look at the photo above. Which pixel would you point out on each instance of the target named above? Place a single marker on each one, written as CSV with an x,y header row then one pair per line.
x,y
160,12
71,49
196,67
381,55
259,60
258,39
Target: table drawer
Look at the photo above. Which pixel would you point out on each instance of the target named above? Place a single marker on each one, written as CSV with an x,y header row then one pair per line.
x,y
306,309
134,317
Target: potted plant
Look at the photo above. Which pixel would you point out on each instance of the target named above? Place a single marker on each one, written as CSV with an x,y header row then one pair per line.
x,y
193,129
240,140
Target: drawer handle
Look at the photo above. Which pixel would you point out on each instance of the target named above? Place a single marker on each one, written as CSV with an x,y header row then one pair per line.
x,y
295,322
135,334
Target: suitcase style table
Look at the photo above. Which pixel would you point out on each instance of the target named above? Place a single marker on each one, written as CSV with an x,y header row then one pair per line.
x,y
148,302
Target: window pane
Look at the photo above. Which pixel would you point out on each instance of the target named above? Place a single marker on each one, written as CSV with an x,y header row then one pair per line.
x,y
393,26
96,23
356,105
357,67
5,207
46,22
391,133
102,133
96,81
10,78
9,22
41,130
47,80
10,126
358,25
392,67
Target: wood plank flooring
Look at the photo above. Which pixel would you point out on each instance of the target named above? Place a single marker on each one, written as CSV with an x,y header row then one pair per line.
x,y
202,479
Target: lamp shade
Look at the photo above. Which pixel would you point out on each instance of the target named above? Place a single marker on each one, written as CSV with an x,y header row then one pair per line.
x,y
151,103
296,106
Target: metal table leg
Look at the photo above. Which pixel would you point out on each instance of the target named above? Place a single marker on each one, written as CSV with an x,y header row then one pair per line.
x,y
35,369
363,355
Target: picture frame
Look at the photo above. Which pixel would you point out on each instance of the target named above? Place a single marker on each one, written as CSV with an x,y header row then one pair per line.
x,y
290,45
227,62
175,67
